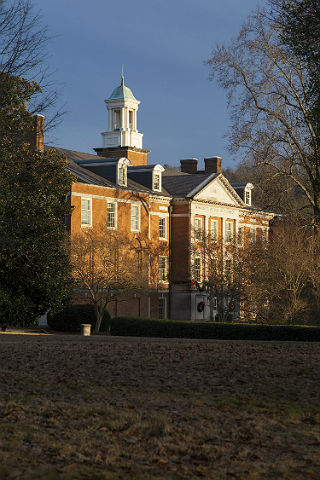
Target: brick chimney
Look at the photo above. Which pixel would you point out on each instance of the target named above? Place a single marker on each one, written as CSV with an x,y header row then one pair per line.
x,y
212,165
36,141
189,165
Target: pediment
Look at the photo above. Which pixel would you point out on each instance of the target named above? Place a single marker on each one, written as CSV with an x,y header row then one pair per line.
x,y
219,190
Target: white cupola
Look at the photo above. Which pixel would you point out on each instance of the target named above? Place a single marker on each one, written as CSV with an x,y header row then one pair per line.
x,y
122,128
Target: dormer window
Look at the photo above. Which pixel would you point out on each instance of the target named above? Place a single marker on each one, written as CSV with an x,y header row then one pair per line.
x,y
122,175
247,194
247,199
157,181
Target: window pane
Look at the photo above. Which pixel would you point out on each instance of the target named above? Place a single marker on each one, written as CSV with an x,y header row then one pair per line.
x,y
135,218
197,269
122,175
162,227
197,228
252,236
85,211
162,269
111,215
156,181
229,232
241,236
214,230
162,308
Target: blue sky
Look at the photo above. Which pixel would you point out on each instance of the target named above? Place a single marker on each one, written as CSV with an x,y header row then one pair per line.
x,y
163,46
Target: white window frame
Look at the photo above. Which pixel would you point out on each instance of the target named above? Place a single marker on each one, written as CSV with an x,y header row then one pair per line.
x,y
162,309
213,230
85,224
228,270
122,178
198,268
197,228
137,226
241,236
155,187
264,235
229,240
162,228
253,236
114,226
162,273
247,197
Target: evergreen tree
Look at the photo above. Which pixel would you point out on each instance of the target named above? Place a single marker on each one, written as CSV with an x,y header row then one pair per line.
x,y
34,188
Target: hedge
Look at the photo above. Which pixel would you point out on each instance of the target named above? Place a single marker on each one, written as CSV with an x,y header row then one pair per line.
x,y
146,327
72,316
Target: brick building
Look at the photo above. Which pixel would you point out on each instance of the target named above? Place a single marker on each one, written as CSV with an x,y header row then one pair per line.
x,y
160,207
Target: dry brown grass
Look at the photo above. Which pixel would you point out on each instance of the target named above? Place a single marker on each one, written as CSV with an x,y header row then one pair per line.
x,y
114,408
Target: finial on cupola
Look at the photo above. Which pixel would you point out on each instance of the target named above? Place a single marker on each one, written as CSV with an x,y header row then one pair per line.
x,y
122,77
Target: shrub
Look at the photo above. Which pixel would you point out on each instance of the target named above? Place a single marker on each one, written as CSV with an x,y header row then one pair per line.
x,y
72,316
146,327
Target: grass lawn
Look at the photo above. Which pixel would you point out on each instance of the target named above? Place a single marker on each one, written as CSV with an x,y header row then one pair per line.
x,y
102,408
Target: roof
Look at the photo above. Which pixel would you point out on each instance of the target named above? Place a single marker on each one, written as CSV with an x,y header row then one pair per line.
x,y
181,184
84,175
122,92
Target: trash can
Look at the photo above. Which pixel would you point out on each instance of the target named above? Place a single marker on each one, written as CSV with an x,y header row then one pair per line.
x,y
86,329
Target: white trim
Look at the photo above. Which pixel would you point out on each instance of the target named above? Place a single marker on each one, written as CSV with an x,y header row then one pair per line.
x,y
160,214
201,185
165,237
139,218
86,225
115,215
165,315
165,269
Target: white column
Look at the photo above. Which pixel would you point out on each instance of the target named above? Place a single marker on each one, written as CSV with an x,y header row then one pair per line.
x,y
110,120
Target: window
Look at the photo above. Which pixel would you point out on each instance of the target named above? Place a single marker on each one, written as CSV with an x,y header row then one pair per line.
x,y
162,269
162,228
252,236
197,228
86,212
156,182
197,269
214,230
229,232
131,119
247,197
111,215
162,313
116,119
264,235
241,236
213,267
135,218
214,303
122,175
228,270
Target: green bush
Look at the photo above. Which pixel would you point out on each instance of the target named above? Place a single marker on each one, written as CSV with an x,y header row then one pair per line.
x,y
72,316
146,327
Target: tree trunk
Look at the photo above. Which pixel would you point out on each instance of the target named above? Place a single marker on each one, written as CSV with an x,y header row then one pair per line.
x,y
99,316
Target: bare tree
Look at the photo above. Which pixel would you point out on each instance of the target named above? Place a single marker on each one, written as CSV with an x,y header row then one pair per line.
x,y
106,267
220,271
23,53
284,280
272,113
